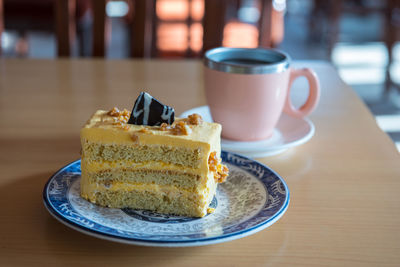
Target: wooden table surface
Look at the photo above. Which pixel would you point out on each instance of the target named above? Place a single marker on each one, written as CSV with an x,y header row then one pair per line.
x,y
344,182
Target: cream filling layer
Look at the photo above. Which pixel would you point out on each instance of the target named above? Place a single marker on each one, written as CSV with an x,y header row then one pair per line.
x,y
204,195
98,166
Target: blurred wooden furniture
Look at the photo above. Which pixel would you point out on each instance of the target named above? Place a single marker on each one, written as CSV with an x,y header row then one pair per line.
x,y
140,22
331,12
343,183
143,28
145,22
24,15
213,23
58,16
99,27
20,15
1,24
65,11
392,35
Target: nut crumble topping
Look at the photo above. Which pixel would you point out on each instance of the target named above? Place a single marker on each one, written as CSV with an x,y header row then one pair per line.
x,y
194,119
177,128
210,210
134,137
164,127
144,130
180,128
219,169
120,118
114,112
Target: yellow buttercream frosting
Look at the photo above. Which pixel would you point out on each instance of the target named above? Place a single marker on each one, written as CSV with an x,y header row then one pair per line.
x,y
103,128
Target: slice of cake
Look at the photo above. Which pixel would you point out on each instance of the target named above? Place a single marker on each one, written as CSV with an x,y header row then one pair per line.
x,y
169,168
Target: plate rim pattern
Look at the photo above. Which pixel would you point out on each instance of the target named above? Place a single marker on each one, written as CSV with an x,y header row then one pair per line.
x,y
240,161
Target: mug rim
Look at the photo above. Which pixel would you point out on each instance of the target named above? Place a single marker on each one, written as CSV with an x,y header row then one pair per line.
x,y
214,57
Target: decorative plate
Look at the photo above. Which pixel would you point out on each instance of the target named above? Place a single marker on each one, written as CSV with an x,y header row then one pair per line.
x,y
289,132
252,198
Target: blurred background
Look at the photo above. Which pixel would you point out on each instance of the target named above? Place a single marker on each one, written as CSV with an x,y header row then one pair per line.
x,y
359,37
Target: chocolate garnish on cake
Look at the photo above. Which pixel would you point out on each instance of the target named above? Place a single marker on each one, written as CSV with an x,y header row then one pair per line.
x,y
149,111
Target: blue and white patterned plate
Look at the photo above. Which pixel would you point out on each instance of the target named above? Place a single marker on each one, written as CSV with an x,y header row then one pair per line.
x,y
252,198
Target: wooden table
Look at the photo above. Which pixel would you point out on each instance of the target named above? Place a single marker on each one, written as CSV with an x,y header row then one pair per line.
x,y
344,182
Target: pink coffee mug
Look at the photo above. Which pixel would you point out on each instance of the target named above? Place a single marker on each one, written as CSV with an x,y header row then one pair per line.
x,y
248,89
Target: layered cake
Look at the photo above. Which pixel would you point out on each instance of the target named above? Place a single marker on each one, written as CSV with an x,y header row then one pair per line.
x,y
147,159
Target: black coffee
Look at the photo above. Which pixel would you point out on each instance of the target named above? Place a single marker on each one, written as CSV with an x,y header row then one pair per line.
x,y
245,61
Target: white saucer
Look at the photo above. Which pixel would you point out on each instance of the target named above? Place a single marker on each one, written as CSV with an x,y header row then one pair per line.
x,y
289,132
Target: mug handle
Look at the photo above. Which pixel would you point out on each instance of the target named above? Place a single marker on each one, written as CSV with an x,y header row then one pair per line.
x,y
313,96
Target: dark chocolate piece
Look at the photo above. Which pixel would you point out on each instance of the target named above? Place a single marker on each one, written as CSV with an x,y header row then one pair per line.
x,y
149,111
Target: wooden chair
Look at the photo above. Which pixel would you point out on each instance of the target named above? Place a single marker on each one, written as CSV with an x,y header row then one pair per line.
x,y
143,28
65,26
213,23
99,27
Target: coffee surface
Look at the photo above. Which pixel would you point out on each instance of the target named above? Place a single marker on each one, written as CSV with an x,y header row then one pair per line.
x,y
248,62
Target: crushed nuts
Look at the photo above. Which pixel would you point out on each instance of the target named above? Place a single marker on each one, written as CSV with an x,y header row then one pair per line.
x,y
213,161
164,127
219,169
210,210
222,173
125,113
114,112
144,130
180,128
194,119
134,137
122,115
120,118
177,128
